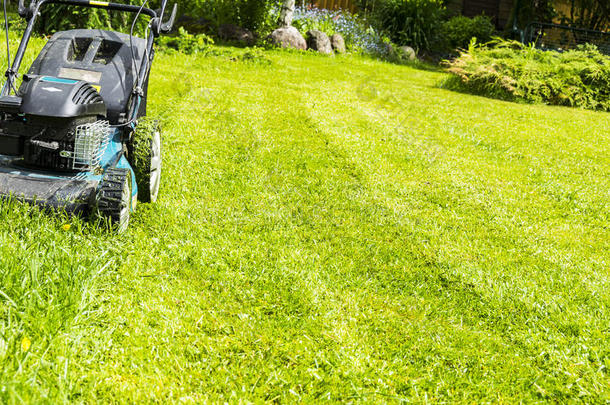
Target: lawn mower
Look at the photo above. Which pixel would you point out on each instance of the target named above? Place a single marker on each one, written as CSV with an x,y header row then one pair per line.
x,y
74,135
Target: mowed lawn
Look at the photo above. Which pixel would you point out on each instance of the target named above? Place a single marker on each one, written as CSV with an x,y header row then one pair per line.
x,y
328,229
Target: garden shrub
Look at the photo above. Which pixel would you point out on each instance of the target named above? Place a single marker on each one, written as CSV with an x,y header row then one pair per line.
x,y
306,19
410,22
56,17
257,15
458,31
511,70
366,6
185,42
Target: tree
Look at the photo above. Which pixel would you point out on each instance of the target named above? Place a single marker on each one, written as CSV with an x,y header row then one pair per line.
x,y
525,11
287,13
592,14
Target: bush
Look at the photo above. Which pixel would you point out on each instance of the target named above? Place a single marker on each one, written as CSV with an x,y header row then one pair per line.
x,y
185,42
459,31
306,19
410,22
513,71
61,17
257,15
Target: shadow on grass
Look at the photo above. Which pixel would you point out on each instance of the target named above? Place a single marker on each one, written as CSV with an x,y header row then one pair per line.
x,y
415,64
418,64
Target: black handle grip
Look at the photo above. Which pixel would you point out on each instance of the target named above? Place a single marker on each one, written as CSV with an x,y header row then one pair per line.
x,y
167,26
26,12
23,12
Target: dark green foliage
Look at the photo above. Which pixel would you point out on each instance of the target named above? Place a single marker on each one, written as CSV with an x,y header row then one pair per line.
x,y
511,70
59,17
458,31
256,15
366,7
592,14
528,11
185,42
411,22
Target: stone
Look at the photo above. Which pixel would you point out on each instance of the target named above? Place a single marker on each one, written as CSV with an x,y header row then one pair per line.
x,y
338,43
319,41
406,52
230,32
288,37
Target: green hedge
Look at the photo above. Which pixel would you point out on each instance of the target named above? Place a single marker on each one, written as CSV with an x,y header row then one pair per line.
x,y
59,17
513,71
410,22
457,32
257,15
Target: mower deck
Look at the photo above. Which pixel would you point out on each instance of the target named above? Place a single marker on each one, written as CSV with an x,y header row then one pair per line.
x,y
74,194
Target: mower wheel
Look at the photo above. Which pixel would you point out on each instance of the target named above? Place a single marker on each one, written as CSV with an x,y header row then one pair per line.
x,y
144,153
114,201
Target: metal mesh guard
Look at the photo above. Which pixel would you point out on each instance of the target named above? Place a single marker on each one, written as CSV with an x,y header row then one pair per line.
x,y
90,142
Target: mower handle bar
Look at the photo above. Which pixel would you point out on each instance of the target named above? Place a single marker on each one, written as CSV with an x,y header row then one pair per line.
x,y
167,26
28,12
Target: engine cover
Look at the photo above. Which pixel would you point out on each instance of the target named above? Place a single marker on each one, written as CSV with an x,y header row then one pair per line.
x,y
46,96
56,124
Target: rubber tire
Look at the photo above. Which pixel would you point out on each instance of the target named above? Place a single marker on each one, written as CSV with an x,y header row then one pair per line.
x,y
114,202
144,155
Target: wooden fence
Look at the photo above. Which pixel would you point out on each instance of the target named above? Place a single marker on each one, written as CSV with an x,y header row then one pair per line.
x,y
336,4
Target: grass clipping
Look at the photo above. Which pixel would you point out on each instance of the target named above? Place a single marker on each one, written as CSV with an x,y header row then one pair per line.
x,y
510,70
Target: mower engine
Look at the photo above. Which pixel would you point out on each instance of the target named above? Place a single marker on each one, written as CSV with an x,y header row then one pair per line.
x,y
55,124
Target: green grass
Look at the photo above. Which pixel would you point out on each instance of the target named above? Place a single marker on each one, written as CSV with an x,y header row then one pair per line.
x,y
328,228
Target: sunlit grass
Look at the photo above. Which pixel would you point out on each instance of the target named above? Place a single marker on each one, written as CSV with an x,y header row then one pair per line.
x,y
328,228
